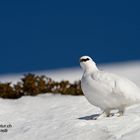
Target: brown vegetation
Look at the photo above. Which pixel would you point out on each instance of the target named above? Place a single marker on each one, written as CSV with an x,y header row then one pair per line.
x,y
33,85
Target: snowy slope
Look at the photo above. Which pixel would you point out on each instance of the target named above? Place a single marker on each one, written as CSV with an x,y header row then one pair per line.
x,y
49,117
57,117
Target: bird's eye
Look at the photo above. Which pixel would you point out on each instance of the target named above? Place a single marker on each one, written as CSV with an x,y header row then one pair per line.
x,y
84,59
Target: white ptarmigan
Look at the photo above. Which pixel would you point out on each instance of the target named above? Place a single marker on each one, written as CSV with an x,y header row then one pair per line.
x,y
106,90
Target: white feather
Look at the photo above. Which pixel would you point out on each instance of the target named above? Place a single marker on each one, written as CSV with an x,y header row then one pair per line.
x,y
106,90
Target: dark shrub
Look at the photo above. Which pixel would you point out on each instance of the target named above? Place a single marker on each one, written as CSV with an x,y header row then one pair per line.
x,y
6,91
33,85
72,89
18,89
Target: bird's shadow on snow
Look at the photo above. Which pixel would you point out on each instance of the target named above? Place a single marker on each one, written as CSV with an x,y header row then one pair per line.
x,y
90,117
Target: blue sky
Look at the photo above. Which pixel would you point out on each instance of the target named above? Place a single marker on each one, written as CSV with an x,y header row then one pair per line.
x,y
42,35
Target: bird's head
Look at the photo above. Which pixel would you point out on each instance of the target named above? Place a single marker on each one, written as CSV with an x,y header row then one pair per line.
x,y
87,63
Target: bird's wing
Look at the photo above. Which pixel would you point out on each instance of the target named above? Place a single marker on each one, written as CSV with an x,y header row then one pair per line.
x,y
119,85
106,79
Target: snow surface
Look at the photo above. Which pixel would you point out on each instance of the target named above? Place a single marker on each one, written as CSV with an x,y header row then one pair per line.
x,y
57,117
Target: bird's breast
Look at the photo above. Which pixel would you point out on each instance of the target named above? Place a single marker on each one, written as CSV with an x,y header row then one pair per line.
x,y
97,93
93,91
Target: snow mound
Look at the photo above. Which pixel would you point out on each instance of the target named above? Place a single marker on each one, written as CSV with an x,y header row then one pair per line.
x,y
57,117
51,117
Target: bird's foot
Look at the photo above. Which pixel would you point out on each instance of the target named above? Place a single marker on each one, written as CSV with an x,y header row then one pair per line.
x,y
119,114
103,115
111,115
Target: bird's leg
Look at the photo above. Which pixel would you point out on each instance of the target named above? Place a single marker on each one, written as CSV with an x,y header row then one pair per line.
x,y
105,113
121,112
